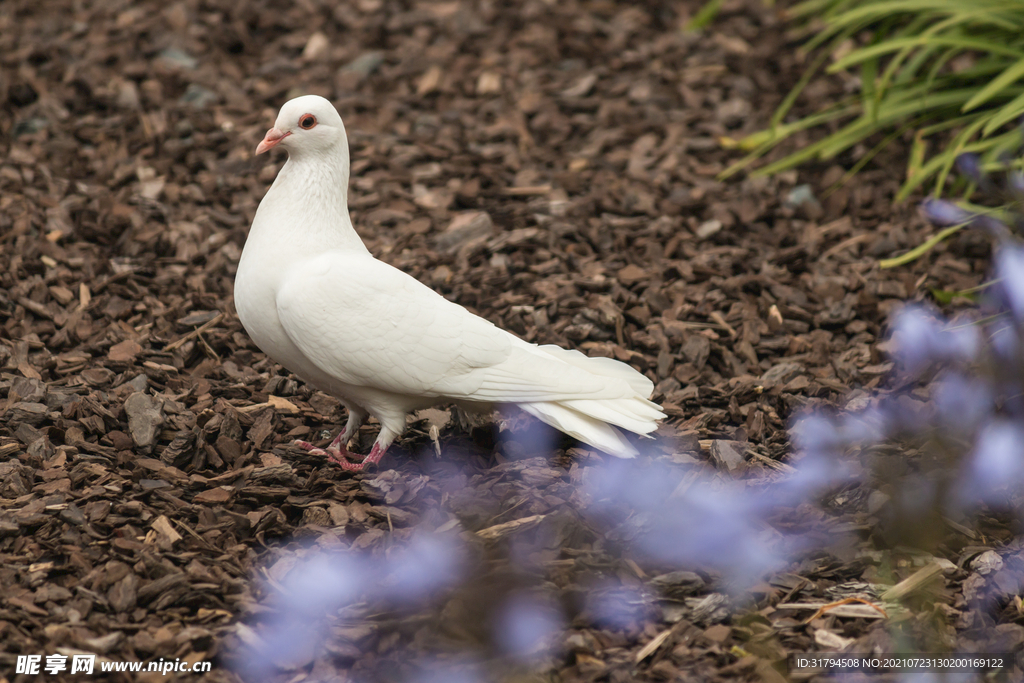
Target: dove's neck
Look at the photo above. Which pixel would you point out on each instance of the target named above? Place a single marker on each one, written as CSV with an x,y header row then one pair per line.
x,y
306,209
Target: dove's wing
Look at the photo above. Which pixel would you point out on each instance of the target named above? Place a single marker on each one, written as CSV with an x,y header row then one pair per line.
x,y
365,323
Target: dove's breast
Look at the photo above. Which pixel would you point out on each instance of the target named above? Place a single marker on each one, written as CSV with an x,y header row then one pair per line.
x,y
257,283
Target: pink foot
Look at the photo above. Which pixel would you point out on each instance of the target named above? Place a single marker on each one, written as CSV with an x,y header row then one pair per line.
x,y
376,453
333,452
341,456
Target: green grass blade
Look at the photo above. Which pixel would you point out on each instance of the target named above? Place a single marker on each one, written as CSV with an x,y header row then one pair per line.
x,y
937,67
1010,140
922,249
704,16
782,133
950,154
870,97
866,159
1011,75
1013,109
805,78
896,44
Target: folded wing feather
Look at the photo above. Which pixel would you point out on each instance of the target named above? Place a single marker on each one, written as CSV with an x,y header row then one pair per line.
x,y
365,323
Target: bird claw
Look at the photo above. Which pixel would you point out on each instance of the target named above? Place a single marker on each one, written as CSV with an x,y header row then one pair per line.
x,y
339,455
332,452
350,466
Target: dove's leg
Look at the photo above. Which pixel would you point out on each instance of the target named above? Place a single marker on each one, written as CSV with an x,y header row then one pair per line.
x,y
391,427
337,451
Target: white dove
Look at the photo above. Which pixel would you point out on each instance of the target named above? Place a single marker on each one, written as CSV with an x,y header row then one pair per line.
x,y
315,300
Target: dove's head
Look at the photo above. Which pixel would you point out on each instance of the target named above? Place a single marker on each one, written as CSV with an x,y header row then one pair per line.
x,y
307,125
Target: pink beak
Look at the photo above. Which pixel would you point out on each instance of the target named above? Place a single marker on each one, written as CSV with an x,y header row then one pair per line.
x,y
271,139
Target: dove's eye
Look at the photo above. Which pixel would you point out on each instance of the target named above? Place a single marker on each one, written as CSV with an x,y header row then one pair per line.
x,y
307,121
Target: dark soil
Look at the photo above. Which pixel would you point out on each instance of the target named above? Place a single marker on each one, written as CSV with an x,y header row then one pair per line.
x,y
551,166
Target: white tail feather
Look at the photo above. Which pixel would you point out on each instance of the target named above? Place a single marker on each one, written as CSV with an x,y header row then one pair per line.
x,y
594,421
633,414
583,427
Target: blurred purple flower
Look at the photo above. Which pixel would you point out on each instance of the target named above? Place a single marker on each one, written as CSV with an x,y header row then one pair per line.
x,y
970,165
448,672
531,437
995,228
1005,342
816,472
944,213
716,523
1009,270
427,564
714,529
870,425
316,586
320,584
922,340
527,627
908,415
997,464
817,435
632,483
962,402
917,335
613,605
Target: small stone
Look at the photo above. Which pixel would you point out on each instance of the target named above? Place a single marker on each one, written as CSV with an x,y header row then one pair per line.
x,y
140,382
734,112
987,562
708,228
128,95
145,417
876,501
489,83
802,197
780,374
798,196
365,64
316,46
178,58
463,228
104,644
199,97
429,81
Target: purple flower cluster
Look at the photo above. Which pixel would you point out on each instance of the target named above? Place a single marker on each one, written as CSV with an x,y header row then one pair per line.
x,y
975,368
316,585
714,524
